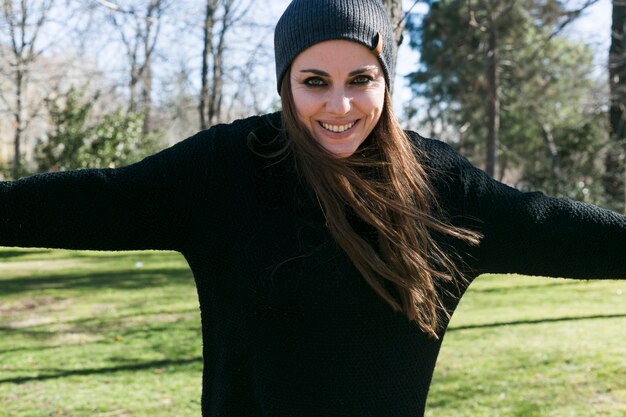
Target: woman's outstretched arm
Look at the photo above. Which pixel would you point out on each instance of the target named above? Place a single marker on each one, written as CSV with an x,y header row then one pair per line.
x,y
529,232
152,204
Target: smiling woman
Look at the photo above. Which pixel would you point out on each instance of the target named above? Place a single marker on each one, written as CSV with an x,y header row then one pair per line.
x,y
329,247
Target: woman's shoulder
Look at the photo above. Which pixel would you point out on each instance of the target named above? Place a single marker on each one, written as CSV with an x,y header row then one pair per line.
x,y
223,141
220,145
265,126
436,153
449,171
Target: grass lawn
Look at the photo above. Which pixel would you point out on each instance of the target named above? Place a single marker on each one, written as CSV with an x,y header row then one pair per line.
x,y
118,334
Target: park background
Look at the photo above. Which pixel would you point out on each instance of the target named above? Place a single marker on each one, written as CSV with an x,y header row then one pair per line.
x,y
102,83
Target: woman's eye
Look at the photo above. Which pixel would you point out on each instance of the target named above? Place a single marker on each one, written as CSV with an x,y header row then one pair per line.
x,y
314,82
362,80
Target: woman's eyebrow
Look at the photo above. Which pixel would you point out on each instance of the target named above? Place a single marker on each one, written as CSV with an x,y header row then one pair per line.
x,y
372,68
361,70
316,72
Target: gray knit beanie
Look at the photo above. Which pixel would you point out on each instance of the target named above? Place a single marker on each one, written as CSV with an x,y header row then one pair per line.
x,y
307,22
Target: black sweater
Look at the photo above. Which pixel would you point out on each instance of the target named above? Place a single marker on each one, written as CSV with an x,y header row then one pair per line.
x,y
289,326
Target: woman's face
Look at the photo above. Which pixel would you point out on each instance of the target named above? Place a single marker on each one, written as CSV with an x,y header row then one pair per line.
x,y
338,90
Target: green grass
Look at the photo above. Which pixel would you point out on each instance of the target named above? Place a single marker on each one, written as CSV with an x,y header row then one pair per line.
x,y
95,334
529,346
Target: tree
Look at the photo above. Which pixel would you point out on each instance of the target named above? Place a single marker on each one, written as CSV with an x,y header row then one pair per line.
x,y
207,51
394,9
498,70
119,139
219,18
61,149
473,47
75,140
139,27
614,181
24,22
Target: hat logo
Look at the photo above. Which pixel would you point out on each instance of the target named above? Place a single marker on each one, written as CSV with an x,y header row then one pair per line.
x,y
379,44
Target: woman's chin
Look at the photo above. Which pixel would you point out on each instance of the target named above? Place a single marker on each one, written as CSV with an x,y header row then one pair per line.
x,y
340,151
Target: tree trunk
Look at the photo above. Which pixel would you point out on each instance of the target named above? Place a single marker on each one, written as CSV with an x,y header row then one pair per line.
x,y
552,153
614,181
207,51
132,87
146,97
394,9
150,37
215,98
215,101
17,118
493,101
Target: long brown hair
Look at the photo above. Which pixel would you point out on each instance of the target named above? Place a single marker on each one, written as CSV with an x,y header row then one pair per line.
x,y
386,187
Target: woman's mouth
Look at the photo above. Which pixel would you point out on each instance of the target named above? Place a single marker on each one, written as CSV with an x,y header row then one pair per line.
x,y
338,128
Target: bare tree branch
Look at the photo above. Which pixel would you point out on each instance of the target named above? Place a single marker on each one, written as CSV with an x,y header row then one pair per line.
x,y
571,16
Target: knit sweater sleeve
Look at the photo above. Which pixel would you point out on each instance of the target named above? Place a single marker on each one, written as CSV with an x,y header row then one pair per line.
x,y
529,232
152,204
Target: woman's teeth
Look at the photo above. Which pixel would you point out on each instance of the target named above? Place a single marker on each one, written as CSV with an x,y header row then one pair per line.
x,y
337,128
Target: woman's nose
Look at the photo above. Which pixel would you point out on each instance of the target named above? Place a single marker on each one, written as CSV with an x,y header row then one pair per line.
x,y
338,102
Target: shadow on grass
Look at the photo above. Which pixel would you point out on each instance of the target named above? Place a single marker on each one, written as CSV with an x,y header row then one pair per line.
x,y
16,253
517,288
37,334
93,325
108,321
538,321
62,373
130,279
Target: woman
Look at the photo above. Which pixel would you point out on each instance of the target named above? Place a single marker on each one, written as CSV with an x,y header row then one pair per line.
x,y
328,246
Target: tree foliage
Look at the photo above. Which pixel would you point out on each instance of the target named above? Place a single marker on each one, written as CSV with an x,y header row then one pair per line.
x,y
75,141
549,137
